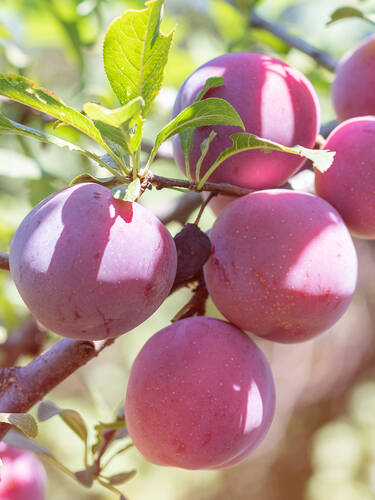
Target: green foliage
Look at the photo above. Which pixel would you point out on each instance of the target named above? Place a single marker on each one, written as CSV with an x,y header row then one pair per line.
x,y
349,12
135,54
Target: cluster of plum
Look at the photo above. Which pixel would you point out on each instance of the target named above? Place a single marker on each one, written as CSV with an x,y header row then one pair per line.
x,y
283,265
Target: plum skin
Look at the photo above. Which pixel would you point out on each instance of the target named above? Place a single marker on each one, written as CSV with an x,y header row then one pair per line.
x,y
274,100
283,265
349,183
22,475
89,266
200,395
354,83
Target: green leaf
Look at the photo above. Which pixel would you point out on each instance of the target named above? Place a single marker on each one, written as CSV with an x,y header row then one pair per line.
x,y
47,410
186,136
8,126
135,54
133,191
21,421
211,82
243,141
106,182
204,150
24,91
345,13
121,478
210,111
127,114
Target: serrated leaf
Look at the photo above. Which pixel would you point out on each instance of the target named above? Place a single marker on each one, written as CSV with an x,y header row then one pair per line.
x,y
47,410
125,115
135,54
210,111
121,478
8,126
24,91
106,181
21,421
344,13
244,141
133,191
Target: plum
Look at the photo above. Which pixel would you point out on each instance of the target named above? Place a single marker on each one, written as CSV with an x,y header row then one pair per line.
x,y
349,183
283,265
200,395
354,83
22,476
89,266
274,100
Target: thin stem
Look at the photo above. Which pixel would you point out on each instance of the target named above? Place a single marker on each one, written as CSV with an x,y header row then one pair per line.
x,y
203,206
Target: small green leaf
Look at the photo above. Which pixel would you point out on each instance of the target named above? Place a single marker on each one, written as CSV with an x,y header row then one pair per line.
x,y
120,478
204,150
106,181
135,54
24,91
211,82
21,421
47,410
186,136
345,13
210,111
134,190
243,141
125,115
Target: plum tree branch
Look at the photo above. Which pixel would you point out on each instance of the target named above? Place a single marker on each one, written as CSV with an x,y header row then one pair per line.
x,y
27,339
22,387
322,58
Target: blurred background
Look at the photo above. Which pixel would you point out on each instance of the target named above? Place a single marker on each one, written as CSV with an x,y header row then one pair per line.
x,y
322,441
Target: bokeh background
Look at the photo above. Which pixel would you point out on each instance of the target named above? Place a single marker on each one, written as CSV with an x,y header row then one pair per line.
x,y
322,442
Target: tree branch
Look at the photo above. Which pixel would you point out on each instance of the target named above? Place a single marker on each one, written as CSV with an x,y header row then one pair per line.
x,y
28,339
22,387
322,58
167,182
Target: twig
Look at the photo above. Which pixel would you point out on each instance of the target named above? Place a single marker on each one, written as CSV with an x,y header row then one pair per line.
x,y
28,339
4,261
322,58
180,209
22,387
167,182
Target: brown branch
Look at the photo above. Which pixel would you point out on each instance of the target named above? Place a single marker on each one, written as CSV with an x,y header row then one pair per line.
x,y
4,261
28,339
22,387
228,189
